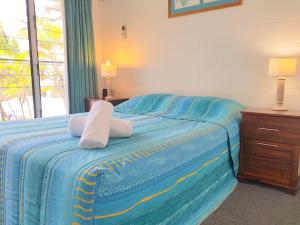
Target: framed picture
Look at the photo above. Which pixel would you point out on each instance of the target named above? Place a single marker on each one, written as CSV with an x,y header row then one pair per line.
x,y
186,7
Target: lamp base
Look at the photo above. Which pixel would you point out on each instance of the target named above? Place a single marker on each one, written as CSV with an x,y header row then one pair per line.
x,y
279,108
280,95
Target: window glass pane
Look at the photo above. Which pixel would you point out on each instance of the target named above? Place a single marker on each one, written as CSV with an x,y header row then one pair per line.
x,y
51,56
16,101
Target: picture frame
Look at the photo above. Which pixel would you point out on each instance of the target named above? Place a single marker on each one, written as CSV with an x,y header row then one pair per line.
x,y
187,7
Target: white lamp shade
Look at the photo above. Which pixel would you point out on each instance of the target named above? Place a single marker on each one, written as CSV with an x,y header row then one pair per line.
x,y
108,70
282,67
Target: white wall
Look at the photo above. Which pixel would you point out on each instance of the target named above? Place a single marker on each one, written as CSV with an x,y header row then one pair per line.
x,y
221,53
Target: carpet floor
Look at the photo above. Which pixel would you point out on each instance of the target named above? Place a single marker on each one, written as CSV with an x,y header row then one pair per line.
x,y
256,204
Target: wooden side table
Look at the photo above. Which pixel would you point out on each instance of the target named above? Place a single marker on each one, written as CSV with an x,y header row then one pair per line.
x,y
270,146
115,101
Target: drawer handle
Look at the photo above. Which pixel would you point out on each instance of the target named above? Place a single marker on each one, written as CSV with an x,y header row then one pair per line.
x,y
269,129
268,145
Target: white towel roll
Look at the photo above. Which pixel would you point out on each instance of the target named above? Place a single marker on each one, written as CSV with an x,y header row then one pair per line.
x,y
97,127
118,129
76,125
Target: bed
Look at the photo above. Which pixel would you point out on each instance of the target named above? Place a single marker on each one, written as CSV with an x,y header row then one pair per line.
x,y
177,168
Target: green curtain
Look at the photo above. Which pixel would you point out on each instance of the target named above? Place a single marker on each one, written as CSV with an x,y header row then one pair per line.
x,y
82,75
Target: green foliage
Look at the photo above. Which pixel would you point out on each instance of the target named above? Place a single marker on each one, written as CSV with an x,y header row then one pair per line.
x,y
15,75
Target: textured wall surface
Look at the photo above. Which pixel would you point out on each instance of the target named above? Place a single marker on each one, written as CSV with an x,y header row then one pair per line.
x,y
220,53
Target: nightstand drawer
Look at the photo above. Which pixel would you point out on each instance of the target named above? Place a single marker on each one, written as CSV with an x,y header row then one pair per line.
x,y
277,129
268,161
270,147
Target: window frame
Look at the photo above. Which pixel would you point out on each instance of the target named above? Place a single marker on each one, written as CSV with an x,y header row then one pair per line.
x,y
34,59
35,63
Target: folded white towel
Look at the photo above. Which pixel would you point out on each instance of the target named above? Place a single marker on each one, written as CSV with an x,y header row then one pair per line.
x,y
76,125
118,128
97,127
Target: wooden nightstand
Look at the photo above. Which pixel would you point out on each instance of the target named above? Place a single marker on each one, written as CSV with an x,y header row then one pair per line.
x,y
270,146
90,101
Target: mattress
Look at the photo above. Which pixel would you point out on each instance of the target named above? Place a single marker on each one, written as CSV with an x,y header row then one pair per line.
x,y
177,168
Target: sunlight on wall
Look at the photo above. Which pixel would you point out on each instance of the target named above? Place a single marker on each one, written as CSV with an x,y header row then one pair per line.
x,y
128,57
286,50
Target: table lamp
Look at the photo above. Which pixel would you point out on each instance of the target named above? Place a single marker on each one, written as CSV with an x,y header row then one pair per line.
x,y
108,70
282,68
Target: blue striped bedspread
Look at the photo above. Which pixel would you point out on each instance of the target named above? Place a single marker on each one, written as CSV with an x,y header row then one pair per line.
x,y
179,165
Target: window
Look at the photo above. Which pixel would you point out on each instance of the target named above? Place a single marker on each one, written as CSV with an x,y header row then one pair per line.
x,y
32,68
16,100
